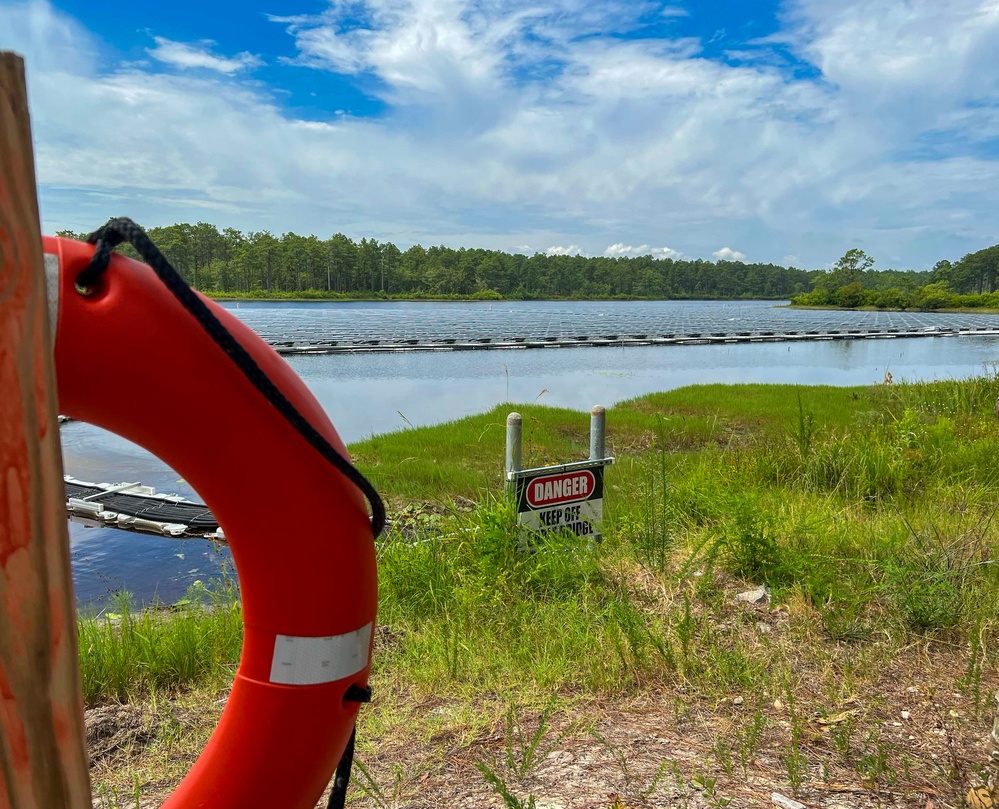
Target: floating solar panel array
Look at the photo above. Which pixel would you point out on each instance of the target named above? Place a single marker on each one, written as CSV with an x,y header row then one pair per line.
x,y
138,508
334,328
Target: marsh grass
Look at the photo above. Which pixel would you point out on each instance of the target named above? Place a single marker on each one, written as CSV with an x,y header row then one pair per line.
x,y
868,513
130,653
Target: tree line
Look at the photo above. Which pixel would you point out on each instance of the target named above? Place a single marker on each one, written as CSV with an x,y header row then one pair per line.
x,y
968,283
230,262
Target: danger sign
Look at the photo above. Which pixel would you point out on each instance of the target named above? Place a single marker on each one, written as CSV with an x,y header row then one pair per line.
x,y
568,497
553,489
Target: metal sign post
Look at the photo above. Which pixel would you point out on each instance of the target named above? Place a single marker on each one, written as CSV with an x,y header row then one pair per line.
x,y
564,497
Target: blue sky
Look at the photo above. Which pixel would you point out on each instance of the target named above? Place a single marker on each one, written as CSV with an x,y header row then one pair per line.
x,y
785,132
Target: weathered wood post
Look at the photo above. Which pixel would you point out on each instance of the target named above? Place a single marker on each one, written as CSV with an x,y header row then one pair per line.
x,y
43,758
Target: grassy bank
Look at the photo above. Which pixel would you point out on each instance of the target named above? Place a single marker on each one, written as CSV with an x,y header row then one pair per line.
x,y
629,674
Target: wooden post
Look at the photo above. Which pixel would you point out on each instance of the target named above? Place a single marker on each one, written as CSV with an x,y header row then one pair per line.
x,y
43,758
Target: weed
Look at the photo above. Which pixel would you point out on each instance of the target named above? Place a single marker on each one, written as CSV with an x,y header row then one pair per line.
x,y
842,737
679,783
652,532
641,646
749,548
873,762
500,788
750,740
634,786
367,784
931,574
804,434
708,785
722,752
656,780
793,756
523,751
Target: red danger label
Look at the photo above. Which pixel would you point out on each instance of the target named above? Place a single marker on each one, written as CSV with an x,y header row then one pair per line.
x,y
554,489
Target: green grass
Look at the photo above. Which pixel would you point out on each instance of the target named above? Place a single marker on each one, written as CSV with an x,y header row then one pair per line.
x,y
874,505
127,654
867,512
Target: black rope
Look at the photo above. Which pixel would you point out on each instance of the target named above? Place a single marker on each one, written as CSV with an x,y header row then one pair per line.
x,y
341,778
338,794
116,231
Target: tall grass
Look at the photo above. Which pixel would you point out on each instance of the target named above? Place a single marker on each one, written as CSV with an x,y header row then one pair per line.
x,y
873,507
129,653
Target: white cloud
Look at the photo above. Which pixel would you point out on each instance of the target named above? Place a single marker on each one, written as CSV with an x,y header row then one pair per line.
x,y
728,254
183,55
530,122
674,11
621,250
571,250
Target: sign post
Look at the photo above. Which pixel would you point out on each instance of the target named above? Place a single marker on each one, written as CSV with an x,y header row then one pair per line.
x,y
565,497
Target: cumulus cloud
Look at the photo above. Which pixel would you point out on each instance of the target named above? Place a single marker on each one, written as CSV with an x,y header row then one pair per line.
x,y
728,254
620,250
535,122
571,250
199,55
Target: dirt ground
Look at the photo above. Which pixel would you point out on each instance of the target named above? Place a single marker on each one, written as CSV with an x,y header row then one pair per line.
x,y
904,739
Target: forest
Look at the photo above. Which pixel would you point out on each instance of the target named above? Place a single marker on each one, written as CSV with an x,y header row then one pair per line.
x,y
969,283
230,263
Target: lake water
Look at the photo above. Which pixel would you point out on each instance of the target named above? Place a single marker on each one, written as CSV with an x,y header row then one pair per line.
x,y
368,394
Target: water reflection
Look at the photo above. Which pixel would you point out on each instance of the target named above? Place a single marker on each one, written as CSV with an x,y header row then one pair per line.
x,y
365,394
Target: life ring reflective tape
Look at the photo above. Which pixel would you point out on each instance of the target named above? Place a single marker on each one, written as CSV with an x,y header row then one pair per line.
x,y
129,358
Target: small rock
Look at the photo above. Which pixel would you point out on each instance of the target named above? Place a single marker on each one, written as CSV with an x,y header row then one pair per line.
x,y
738,701
764,629
756,596
785,802
905,714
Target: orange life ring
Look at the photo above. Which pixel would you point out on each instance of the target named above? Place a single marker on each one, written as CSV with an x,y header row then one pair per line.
x,y
131,359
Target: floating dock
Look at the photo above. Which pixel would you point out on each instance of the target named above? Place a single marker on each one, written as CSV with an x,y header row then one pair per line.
x,y
135,507
600,340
